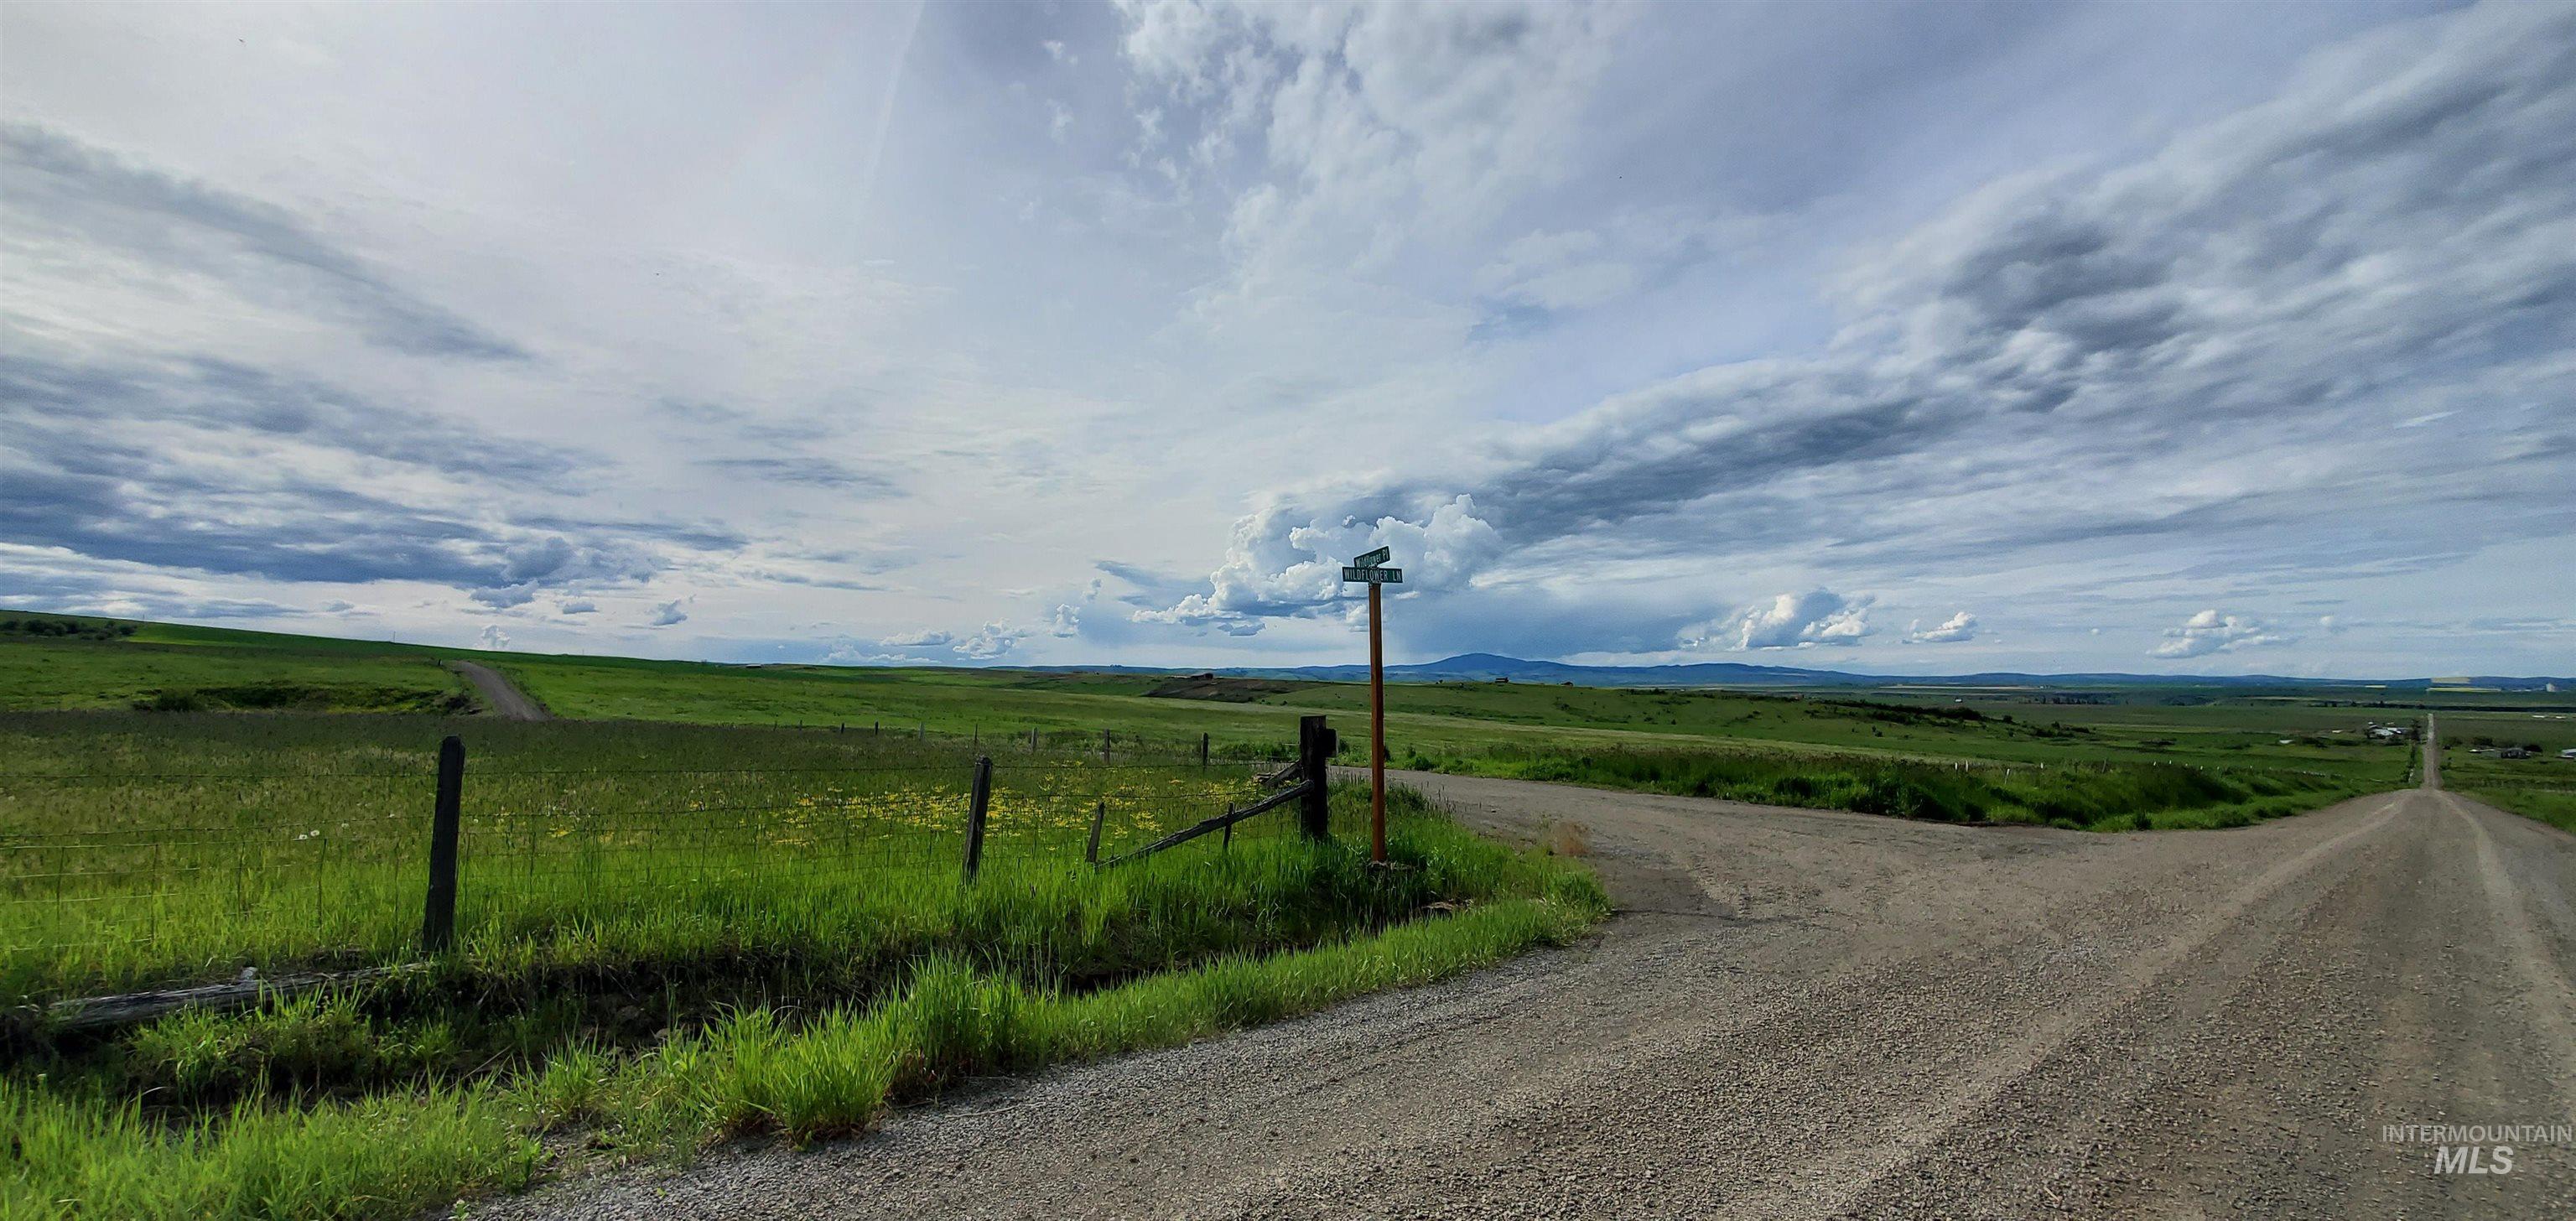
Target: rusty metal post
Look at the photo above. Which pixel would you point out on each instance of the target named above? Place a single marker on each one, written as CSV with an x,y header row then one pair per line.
x,y
1377,732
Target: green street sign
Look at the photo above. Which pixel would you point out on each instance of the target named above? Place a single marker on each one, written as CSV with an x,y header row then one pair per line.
x,y
1372,559
1374,576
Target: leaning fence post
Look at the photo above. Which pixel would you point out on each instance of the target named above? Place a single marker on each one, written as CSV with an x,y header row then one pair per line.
x,y
977,801
1099,815
438,917
1314,756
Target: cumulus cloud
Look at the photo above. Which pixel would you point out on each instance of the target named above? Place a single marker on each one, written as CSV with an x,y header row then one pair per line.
x,y
494,638
2211,632
1288,562
668,613
924,638
1790,621
1956,628
577,606
990,641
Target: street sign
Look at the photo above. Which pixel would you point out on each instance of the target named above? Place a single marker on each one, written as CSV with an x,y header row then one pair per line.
x,y
1374,576
1372,559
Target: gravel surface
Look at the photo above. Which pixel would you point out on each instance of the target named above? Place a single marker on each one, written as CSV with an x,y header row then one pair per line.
x,y
1812,1014
506,699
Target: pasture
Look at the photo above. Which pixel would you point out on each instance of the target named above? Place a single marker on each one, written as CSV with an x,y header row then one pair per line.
x,y
724,900
2541,787
652,920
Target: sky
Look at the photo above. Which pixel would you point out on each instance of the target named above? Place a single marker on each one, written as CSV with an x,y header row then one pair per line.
x,y
1899,338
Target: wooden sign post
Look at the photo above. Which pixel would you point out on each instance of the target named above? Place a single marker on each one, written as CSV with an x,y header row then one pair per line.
x,y
1367,568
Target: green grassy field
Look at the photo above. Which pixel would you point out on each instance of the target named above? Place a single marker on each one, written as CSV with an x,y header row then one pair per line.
x,y
1453,719
726,900
2542,787
666,933
143,850
2270,749
171,668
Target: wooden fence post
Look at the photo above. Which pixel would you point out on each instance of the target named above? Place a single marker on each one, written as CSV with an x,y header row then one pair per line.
x,y
977,801
1099,815
438,917
1203,745
1104,748
1314,761
1033,740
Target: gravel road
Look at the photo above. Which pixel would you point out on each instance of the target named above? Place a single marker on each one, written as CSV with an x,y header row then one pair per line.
x,y
505,697
1808,1014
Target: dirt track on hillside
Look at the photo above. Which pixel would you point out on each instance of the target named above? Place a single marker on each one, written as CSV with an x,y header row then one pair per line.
x,y
508,702
1806,1014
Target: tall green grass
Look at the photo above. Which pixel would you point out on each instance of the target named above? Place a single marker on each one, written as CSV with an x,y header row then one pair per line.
x,y
138,851
468,1078
759,1072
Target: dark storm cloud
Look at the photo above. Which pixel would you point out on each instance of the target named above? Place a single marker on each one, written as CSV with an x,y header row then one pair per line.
x,y
2076,357
60,184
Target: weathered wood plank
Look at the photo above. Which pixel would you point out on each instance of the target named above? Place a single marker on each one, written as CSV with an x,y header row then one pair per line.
x,y
1218,823
101,1012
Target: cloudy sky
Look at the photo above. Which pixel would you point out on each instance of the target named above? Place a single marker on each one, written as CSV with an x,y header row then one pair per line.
x,y
1905,338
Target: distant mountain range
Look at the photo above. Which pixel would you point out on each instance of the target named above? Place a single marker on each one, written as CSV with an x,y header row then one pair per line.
x,y
1487,667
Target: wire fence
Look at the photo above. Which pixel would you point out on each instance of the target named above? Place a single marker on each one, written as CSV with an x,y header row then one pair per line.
x,y
114,878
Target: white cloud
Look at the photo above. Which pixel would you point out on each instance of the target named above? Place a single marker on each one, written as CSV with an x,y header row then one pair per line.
x,y
2110,316
2160,325
668,613
577,606
1283,562
494,638
990,641
1958,627
1379,122
1817,617
923,638
2211,632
